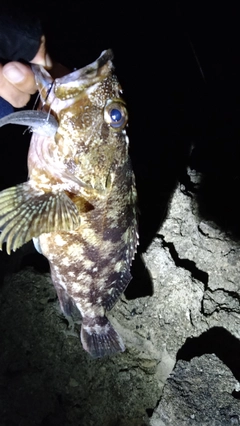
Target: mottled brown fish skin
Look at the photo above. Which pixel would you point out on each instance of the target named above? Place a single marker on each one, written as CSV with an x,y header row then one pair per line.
x,y
92,264
79,204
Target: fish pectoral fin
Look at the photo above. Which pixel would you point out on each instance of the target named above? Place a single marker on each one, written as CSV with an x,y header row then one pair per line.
x,y
26,213
99,338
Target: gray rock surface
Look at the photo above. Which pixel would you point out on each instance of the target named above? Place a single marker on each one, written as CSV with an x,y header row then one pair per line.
x,y
46,378
199,393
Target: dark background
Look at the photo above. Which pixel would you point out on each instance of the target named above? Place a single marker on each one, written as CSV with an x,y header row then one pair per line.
x,y
179,66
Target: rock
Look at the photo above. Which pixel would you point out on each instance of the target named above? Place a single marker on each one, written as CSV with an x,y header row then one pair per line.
x,y
190,309
199,392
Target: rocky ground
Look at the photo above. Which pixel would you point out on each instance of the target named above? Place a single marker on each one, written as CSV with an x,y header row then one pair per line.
x,y
181,366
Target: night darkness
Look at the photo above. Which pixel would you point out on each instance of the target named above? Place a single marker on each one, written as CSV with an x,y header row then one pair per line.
x,y
179,66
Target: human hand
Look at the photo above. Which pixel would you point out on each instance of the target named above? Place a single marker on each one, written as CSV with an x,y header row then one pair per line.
x,y
17,82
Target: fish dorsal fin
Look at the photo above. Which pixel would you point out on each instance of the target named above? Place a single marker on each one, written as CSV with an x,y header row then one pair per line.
x,y
26,213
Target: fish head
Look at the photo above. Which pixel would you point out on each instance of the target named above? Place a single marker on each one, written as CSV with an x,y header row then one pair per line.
x,y
92,117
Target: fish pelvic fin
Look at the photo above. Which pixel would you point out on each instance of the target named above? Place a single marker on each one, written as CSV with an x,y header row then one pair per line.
x,y
26,213
99,338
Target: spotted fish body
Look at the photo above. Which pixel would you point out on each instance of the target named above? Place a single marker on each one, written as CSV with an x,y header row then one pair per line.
x,y
79,204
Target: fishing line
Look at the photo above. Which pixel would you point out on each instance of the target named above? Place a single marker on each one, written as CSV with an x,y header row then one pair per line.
x,y
186,33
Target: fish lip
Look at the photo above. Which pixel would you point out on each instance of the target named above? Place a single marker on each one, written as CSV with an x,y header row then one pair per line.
x,y
105,57
62,92
44,79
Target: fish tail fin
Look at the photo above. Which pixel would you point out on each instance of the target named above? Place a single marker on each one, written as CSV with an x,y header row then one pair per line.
x,y
99,338
26,213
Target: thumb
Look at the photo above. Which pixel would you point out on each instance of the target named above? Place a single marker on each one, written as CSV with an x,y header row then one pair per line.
x,y
20,76
42,58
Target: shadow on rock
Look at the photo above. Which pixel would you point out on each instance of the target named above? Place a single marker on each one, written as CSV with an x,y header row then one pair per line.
x,y
217,340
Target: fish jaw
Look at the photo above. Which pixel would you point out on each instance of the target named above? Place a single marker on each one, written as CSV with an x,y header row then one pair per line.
x,y
62,92
73,84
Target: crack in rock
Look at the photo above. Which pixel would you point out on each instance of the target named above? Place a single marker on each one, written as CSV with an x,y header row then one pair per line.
x,y
220,300
187,264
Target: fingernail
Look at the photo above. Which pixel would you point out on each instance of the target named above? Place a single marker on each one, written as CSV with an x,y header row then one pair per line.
x,y
13,74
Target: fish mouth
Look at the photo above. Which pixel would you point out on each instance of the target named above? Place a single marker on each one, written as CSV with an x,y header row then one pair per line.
x,y
86,76
71,85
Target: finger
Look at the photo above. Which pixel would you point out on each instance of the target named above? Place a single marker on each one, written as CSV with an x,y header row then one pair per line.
x,y
20,76
42,58
14,96
11,93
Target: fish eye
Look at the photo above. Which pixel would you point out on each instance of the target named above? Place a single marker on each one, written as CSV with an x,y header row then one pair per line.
x,y
115,114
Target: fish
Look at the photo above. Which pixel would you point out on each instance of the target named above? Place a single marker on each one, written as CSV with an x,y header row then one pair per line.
x,y
79,204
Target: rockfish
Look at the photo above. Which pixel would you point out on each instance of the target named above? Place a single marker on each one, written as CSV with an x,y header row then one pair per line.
x,y
79,203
